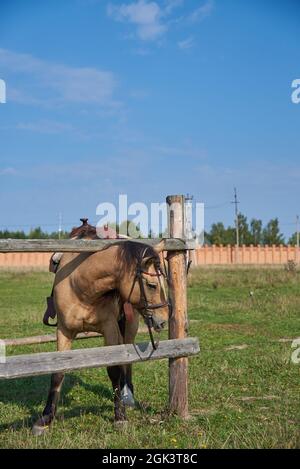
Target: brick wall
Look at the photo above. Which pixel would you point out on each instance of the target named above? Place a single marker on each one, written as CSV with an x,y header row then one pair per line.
x,y
262,255
206,255
25,259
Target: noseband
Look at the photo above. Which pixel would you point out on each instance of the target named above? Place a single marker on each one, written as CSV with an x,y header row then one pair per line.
x,y
147,308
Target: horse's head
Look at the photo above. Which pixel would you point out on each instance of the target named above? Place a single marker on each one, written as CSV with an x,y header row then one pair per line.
x,y
145,287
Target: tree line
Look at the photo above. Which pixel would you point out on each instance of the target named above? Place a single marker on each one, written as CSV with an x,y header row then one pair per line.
x,y
249,233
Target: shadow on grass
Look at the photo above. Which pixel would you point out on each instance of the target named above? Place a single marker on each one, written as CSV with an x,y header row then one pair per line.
x,y
29,393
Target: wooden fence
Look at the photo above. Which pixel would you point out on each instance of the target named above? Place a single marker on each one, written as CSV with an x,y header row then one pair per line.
x,y
206,255
177,348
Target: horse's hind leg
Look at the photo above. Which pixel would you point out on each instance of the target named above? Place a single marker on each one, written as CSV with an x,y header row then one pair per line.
x,y
64,342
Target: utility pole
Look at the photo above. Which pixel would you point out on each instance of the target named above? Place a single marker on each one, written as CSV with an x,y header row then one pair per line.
x,y
236,202
59,225
297,238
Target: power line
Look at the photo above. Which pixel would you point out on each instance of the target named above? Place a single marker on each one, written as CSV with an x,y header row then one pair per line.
x,y
209,207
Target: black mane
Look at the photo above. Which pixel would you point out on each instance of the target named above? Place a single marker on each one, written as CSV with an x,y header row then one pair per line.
x,y
130,253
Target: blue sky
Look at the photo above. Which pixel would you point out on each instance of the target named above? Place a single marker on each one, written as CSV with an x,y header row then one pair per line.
x,y
148,98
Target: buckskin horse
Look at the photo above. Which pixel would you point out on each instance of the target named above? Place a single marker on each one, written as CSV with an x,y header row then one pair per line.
x,y
107,291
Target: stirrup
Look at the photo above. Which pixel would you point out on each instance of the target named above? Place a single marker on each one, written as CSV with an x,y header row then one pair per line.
x,y
50,312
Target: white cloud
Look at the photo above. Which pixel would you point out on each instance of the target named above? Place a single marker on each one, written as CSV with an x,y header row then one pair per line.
x,y
45,127
62,83
146,16
8,171
171,5
185,44
201,12
152,20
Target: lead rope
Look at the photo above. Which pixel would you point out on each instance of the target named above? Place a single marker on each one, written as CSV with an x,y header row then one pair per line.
x,y
147,319
138,277
154,345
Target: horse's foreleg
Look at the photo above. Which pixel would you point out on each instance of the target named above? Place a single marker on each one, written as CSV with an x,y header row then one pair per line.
x,y
129,331
112,336
64,342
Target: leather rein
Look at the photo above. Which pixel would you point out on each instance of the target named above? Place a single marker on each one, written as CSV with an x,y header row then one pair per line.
x,y
147,308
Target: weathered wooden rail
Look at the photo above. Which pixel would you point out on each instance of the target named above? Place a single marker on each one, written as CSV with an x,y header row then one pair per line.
x,y
34,364
84,245
46,338
177,348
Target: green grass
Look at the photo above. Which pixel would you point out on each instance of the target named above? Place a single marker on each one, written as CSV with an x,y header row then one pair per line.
x,y
240,398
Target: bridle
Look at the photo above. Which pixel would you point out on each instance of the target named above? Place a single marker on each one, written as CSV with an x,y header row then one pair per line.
x,y
147,308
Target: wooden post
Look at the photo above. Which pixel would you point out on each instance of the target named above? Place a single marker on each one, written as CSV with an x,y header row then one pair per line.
x,y
178,322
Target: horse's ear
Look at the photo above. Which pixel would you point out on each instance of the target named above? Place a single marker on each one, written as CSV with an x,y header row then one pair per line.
x,y
160,246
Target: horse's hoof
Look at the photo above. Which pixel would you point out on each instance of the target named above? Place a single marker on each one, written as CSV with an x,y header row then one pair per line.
x,y
127,397
38,430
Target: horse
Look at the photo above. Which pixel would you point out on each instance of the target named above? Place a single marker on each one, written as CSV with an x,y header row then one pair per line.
x,y
106,292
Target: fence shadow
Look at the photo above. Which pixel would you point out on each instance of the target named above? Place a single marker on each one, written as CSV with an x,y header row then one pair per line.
x,y
31,393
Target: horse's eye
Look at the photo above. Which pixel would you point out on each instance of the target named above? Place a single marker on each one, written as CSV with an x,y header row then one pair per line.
x,y
153,286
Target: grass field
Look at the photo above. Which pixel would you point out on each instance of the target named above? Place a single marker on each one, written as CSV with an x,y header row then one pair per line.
x,y
244,389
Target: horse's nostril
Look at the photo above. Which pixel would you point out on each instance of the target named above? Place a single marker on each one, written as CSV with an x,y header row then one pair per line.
x,y
161,324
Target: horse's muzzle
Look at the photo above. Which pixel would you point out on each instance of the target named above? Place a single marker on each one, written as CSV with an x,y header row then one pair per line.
x,y
157,324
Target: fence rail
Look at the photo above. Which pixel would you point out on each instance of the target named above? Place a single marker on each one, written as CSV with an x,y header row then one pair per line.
x,y
20,366
206,255
85,245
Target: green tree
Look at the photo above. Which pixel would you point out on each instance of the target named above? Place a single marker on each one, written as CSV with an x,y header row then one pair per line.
x,y
12,234
217,233
129,228
293,239
37,233
271,233
244,233
256,232
55,235
220,235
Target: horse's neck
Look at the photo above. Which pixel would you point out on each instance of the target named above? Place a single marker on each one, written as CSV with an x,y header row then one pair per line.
x,y
100,272
105,262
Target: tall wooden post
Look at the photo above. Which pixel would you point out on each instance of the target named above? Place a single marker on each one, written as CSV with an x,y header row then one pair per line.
x,y
178,322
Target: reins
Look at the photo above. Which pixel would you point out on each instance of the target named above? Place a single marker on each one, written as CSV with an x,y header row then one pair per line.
x,y
148,317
